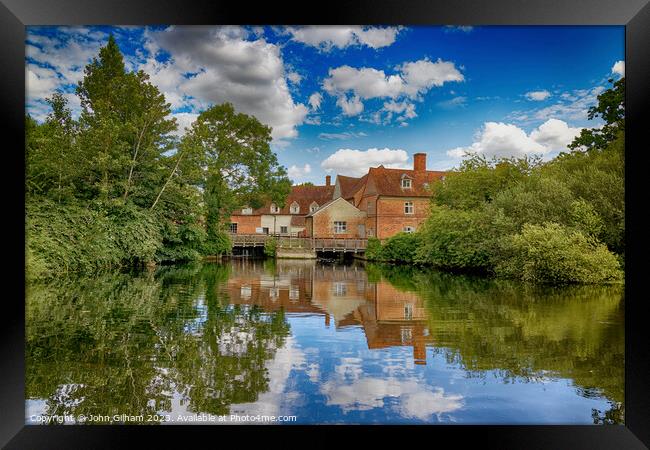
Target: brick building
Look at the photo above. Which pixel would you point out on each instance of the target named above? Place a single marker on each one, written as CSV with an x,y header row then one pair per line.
x,y
288,220
393,200
336,219
379,204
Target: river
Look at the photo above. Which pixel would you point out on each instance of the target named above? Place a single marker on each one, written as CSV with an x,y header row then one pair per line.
x,y
264,341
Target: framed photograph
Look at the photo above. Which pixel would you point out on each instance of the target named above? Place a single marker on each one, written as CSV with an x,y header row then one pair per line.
x,y
378,215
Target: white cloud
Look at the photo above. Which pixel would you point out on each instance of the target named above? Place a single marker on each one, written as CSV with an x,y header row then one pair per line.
x,y
352,162
67,52
328,37
619,68
365,82
506,140
294,77
413,399
184,120
296,172
405,109
377,37
341,136
538,96
555,134
40,82
228,68
225,65
350,107
455,102
422,75
315,100
462,28
412,81
571,106
400,111
54,63
273,401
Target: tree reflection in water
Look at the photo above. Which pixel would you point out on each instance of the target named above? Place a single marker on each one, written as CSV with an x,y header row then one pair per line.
x,y
122,344
200,337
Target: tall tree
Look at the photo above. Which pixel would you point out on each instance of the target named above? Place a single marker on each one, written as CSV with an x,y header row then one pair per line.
x,y
50,151
233,150
127,126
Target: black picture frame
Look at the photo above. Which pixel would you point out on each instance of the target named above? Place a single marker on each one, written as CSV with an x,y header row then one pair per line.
x,y
633,14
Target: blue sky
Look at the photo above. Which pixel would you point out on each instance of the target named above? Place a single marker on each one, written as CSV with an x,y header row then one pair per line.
x,y
343,98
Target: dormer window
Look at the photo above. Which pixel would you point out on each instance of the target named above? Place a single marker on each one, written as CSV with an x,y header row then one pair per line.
x,y
295,208
313,207
274,208
247,210
406,183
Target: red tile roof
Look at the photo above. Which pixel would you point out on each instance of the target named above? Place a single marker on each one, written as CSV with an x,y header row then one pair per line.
x,y
303,195
383,181
350,185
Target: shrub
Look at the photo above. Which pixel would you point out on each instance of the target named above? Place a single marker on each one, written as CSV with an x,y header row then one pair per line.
x,y
456,240
373,249
185,242
68,238
270,247
217,243
401,247
552,253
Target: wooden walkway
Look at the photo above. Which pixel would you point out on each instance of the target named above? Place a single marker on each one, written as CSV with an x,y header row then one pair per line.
x,y
287,242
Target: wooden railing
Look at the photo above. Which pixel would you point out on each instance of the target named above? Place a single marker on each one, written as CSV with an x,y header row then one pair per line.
x,y
316,244
337,245
248,240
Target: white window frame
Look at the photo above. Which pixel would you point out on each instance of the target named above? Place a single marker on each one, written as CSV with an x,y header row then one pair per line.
x,y
286,229
409,206
247,210
406,334
294,208
408,311
233,225
406,181
340,227
274,208
313,207
408,229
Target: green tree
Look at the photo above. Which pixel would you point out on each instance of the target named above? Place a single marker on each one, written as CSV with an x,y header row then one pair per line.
x,y
238,166
50,152
610,108
479,180
126,126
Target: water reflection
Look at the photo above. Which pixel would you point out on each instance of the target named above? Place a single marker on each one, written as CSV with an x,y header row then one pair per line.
x,y
328,343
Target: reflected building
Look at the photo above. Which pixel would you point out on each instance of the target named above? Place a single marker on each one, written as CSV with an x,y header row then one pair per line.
x,y
341,294
395,318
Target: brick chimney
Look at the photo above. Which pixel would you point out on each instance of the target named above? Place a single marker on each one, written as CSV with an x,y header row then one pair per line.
x,y
420,162
328,180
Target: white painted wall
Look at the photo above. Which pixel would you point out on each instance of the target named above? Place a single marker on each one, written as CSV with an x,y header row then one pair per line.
x,y
280,221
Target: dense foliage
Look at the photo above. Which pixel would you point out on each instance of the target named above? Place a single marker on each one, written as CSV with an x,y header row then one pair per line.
x,y
552,253
270,247
117,187
560,221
